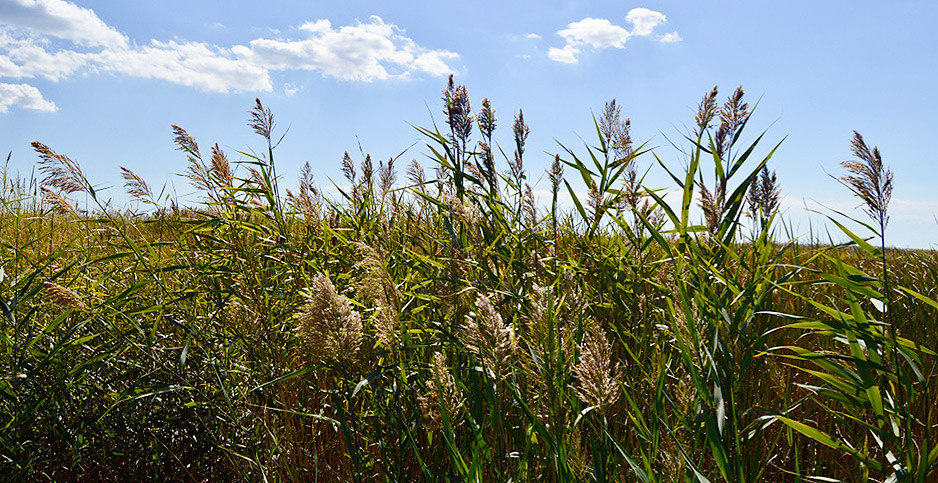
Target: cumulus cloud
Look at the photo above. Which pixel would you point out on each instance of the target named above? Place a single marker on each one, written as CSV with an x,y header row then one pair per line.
x,y
27,58
599,33
61,19
644,20
55,39
565,55
364,52
193,64
532,36
24,96
670,38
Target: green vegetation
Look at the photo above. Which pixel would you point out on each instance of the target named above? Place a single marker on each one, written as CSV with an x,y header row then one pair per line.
x,y
450,329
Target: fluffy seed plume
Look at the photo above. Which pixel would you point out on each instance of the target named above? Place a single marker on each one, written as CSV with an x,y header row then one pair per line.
x,y
596,202
308,201
733,114
135,186
387,175
764,194
56,202
712,205
616,131
869,180
516,164
185,142
416,175
327,325
490,338
376,288
442,394
63,296
221,168
596,371
261,119
458,112
705,111
61,172
555,175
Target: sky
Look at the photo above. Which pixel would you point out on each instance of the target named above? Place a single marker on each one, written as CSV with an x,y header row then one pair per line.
x,y
103,82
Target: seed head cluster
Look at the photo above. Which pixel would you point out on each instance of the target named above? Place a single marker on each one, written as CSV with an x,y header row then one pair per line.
x,y
329,328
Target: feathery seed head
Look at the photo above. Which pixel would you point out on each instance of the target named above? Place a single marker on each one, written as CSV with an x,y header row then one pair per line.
x,y
869,179
486,119
221,168
490,338
61,172
705,111
330,329
63,296
261,120
555,174
135,185
442,394
598,374
185,142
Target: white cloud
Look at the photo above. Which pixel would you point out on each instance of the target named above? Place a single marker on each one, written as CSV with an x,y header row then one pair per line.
x,y
670,38
25,96
644,20
600,33
565,55
363,52
532,36
27,58
289,89
61,19
192,64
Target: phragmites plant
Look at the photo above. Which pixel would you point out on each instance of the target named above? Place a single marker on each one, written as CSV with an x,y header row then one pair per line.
x,y
733,116
458,113
441,395
220,168
136,187
616,131
489,338
376,288
64,296
764,195
516,164
486,120
408,333
869,180
61,172
597,371
329,328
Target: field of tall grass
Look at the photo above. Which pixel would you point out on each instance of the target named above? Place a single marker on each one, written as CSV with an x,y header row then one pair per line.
x,y
443,325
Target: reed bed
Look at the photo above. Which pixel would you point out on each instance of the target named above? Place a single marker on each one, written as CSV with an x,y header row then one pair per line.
x,y
447,327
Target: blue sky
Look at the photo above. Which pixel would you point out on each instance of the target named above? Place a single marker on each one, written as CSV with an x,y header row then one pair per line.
x,y
103,82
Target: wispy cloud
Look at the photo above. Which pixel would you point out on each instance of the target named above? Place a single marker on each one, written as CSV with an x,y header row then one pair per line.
x,y
599,33
55,39
24,96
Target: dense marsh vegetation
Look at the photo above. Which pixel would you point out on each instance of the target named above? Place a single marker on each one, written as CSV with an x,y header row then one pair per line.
x,y
447,327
